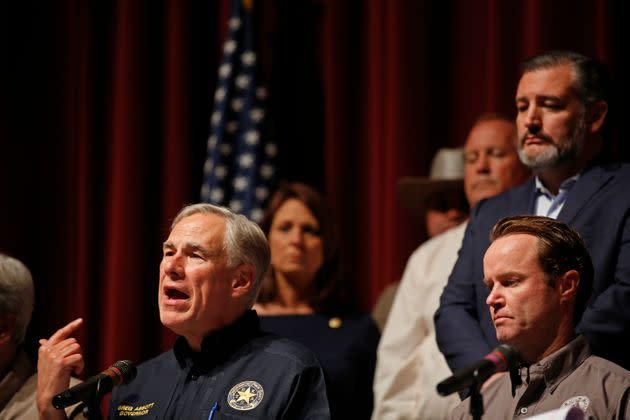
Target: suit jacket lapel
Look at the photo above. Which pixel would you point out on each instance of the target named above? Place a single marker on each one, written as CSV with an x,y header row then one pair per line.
x,y
525,198
586,187
531,197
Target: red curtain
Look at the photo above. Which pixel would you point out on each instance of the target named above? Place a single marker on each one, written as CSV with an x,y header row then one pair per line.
x,y
402,78
105,118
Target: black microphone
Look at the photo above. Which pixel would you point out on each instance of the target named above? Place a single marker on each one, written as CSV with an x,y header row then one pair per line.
x,y
121,372
502,358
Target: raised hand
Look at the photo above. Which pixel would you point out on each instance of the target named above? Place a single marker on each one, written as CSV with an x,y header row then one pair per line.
x,y
59,357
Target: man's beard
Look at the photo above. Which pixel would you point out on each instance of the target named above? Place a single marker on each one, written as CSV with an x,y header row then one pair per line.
x,y
555,153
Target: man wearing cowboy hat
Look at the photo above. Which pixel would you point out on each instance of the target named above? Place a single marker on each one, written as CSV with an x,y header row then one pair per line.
x,y
409,364
440,198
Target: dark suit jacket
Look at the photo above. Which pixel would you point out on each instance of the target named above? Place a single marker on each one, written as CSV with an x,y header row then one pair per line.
x,y
598,207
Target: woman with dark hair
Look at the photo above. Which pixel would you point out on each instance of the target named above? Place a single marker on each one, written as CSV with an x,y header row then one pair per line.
x,y
304,298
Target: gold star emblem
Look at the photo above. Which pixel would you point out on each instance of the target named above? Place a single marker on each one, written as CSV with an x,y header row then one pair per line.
x,y
334,322
245,395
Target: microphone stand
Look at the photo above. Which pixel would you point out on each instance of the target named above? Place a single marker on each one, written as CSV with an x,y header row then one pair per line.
x,y
92,404
476,399
92,410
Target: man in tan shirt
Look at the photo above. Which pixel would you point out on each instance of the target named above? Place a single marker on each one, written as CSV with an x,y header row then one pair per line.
x,y
18,379
539,275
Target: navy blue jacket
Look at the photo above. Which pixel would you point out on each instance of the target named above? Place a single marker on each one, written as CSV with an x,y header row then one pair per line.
x,y
598,207
347,352
241,372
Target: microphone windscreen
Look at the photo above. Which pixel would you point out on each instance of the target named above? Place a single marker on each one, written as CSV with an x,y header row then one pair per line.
x,y
125,371
510,356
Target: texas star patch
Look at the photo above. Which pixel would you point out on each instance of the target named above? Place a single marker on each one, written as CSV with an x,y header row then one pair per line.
x,y
245,395
580,401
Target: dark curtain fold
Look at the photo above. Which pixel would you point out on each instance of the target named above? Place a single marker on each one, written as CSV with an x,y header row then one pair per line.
x,y
106,106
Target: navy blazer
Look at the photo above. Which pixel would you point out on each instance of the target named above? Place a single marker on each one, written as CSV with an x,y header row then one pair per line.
x,y
598,207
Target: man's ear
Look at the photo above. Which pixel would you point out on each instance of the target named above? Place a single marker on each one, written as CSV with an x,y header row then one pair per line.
x,y
7,328
568,284
595,116
243,280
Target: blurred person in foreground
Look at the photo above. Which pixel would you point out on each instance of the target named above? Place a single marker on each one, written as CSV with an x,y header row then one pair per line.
x,y
539,276
18,378
222,365
304,298
440,200
409,363
562,102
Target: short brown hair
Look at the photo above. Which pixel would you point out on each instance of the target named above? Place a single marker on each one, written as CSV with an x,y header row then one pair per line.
x,y
330,293
560,249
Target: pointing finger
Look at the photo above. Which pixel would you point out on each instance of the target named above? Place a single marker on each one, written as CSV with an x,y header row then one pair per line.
x,y
66,331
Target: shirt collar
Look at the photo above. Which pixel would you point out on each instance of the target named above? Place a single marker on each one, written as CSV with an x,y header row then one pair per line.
x,y
555,367
219,345
567,184
17,374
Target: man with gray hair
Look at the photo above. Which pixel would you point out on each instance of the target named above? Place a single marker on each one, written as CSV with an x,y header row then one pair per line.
x,y
222,365
17,373
18,379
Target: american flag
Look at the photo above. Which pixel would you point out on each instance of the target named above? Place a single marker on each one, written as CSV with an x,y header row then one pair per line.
x,y
240,164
